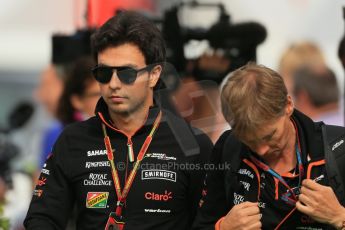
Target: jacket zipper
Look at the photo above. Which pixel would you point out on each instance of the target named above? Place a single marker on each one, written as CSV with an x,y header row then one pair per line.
x,y
130,149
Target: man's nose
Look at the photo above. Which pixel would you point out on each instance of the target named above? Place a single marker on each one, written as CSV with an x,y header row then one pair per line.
x,y
261,149
115,81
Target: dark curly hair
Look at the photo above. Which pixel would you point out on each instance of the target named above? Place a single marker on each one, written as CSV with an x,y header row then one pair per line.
x,y
130,27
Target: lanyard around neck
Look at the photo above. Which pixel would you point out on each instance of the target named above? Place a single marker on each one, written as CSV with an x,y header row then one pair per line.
x,y
121,195
266,168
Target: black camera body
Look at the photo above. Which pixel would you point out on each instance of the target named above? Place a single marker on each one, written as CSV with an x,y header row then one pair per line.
x,y
238,42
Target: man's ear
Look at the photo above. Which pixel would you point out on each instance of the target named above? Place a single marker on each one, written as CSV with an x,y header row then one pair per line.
x,y
154,75
289,106
76,102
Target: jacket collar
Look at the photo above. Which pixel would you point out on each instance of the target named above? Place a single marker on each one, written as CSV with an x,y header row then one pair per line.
x,y
102,112
310,136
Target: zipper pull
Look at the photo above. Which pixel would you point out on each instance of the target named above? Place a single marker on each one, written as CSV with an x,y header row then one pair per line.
x,y
130,150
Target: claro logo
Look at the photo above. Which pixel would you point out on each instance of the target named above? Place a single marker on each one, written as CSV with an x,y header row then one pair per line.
x,y
159,197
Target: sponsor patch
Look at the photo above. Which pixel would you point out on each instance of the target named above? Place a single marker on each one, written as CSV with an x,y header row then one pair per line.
x,y
262,205
38,192
91,153
238,199
246,172
159,197
319,178
98,179
246,185
97,164
157,210
336,145
97,199
44,170
153,174
160,156
42,181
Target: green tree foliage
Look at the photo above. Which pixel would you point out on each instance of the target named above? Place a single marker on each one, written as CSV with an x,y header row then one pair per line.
x,y
4,223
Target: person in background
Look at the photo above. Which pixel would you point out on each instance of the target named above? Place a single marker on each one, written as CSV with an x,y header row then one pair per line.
x,y
77,101
48,94
78,98
299,54
50,87
81,93
66,49
317,94
133,165
281,180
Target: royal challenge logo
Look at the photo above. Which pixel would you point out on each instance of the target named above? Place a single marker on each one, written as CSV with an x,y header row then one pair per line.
x,y
97,179
97,199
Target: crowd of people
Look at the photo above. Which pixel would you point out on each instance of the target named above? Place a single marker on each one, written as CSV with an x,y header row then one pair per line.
x,y
264,150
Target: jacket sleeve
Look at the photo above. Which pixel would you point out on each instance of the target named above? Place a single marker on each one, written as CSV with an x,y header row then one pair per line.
x,y
52,198
213,204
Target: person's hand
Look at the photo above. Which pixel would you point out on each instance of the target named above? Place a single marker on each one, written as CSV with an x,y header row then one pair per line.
x,y
243,216
320,203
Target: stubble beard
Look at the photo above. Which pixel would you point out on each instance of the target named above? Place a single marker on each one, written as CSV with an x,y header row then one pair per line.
x,y
131,110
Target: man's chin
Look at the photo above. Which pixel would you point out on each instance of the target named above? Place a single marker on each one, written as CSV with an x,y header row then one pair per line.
x,y
121,110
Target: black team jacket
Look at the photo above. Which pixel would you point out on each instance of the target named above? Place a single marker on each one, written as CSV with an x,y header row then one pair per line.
x,y
165,192
226,188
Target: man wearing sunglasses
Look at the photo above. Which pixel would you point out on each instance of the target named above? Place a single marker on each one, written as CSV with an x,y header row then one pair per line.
x,y
279,178
133,165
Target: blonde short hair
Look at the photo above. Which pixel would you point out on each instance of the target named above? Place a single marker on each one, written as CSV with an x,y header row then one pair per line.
x,y
252,96
300,54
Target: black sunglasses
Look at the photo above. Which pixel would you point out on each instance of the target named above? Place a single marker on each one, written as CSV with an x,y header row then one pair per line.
x,y
126,75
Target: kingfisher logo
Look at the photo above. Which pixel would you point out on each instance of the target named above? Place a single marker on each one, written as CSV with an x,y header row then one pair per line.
x,y
97,164
159,197
97,199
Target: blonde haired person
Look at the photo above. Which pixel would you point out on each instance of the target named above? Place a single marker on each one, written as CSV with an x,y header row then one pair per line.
x,y
297,55
281,180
